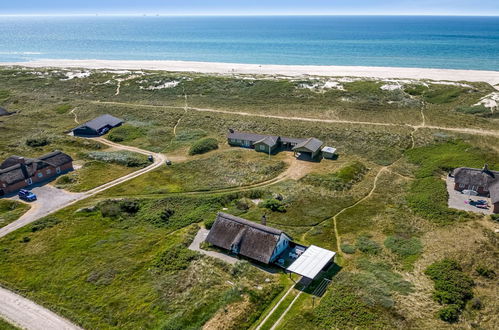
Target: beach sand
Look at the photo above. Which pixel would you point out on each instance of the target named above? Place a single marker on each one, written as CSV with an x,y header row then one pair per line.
x,y
491,77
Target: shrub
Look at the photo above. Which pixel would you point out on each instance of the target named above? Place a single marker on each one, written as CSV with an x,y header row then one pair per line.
x,y
125,158
125,133
494,217
274,205
63,108
65,179
443,94
485,272
208,222
41,224
449,313
452,287
37,141
343,179
368,246
347,248
244,204
110,209
404,247
203,146
25,239
476,303
174,259
129,206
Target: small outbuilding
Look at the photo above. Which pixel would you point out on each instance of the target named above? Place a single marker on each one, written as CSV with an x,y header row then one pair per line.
x,y
310,147
328,152
98,126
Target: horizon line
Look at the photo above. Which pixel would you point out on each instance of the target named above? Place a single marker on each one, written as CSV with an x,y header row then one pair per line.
x,y
236,14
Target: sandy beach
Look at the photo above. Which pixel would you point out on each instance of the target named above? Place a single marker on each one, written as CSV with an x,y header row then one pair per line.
x,y
491,77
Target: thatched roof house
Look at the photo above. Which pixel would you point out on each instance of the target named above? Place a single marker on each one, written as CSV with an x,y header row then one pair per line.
x,y
484,181
247,238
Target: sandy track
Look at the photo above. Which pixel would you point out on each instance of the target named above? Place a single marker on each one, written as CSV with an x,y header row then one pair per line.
x,y
27,314
317,120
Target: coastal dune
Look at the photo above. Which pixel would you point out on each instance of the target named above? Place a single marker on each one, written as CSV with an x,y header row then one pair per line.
x,y
491,77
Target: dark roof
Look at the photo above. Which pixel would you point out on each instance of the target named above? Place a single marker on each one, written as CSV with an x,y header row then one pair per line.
x,y
20,170
245,136
101,122
311,144
475,176
268,140
4,112
12,160
56,158
292,140
254,240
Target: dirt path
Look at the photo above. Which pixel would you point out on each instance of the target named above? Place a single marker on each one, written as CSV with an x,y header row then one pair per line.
x,y
317,120
274,308
29,315
74,114
286,311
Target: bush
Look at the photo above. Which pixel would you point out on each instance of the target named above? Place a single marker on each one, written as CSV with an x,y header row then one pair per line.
x,y
203,146
129,206
37,141
110,209
125,133
343,179
208,222
347,248
368,246
452,287
125,158
65,179
63,108
274,205
479,110
494,217
449,313
244,204
476,303
404,247
174,259
485,272
41,224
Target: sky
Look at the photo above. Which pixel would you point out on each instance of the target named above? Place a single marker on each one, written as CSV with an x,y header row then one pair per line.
x,y
250,7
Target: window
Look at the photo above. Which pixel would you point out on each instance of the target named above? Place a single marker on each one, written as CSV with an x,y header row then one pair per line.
x,y
261,147
58,170
49,171
29,181
40,174
461,185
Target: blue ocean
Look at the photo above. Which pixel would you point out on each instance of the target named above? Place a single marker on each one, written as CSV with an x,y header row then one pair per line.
x,y
401,41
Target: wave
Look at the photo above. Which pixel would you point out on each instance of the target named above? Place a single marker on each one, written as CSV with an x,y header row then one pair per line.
x,y
20,53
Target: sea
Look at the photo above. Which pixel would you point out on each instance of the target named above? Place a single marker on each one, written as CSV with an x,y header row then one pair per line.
x,y
449,42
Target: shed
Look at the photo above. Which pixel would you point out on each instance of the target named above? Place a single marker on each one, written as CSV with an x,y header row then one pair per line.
x,y
98,126
311,262
247,238
328,152
310,147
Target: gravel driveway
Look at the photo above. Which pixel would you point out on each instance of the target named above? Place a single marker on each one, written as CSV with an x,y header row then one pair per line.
x,y
200,237
457,200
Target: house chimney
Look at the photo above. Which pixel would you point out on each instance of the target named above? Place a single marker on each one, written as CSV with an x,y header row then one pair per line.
x,y
264,219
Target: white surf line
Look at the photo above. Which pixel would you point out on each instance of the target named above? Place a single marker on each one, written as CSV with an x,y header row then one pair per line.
x,y
27,314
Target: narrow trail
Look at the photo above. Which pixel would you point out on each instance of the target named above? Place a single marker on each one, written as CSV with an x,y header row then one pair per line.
x,y
286,311
75,115
186,107
317,120
274,308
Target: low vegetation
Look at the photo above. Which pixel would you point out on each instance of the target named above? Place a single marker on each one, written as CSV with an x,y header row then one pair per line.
x,y
203,146
125,133
125,158
343,179
453,288
11,211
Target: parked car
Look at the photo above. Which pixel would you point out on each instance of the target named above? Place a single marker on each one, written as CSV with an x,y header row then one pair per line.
x,y
26,195
150,158
168,162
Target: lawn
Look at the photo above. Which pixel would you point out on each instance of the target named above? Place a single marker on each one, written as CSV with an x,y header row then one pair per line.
x,y
11,211
6,326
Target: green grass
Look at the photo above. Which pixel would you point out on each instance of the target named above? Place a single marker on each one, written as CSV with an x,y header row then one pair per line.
x,y
63,109
125,133
222,170
109,272
343,179
11,211
203,146
407,249
91,175
443,94
4,325
278,311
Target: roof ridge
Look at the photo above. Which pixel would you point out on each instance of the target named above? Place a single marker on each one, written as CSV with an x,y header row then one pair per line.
x,y
250,223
